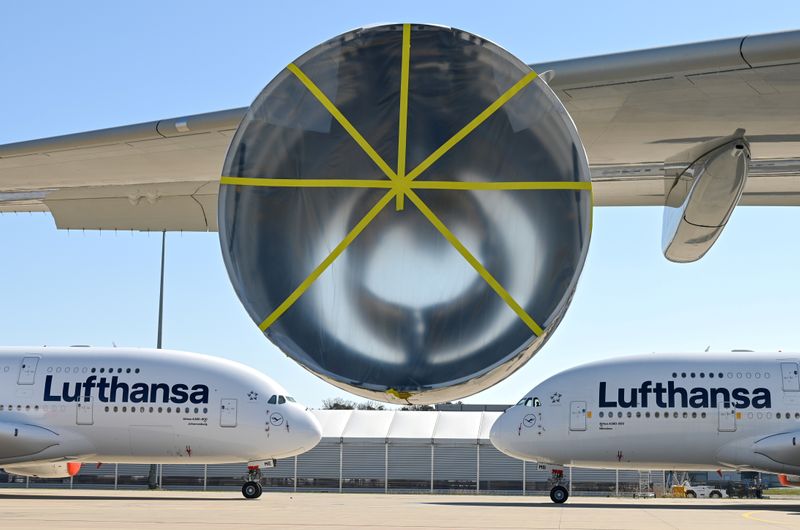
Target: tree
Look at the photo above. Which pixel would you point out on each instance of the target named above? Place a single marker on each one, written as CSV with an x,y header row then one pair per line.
x,y
345,404
417,407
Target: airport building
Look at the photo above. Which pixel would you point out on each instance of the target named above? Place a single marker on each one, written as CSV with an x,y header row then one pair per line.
x,y
392,451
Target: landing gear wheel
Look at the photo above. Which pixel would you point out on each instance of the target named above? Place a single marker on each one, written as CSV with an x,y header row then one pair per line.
x,y
251,490
559,494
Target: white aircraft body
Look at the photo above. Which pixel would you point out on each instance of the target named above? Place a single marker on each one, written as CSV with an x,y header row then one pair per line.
x,y
737,411
63,406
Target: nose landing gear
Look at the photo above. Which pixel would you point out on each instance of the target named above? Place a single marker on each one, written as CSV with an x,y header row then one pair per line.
x,y
559,494
252,488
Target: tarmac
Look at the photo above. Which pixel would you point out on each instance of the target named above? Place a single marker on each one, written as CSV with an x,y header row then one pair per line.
x,y
40,508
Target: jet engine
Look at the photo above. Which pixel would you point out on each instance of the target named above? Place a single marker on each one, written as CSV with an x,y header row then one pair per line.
x,y
46,470
405,211
777,453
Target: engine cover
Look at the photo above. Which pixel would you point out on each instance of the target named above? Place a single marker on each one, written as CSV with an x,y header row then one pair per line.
x,y
405,211
46,470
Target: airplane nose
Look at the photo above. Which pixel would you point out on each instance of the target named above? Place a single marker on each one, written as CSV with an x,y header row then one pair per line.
x,y
314,430
496,434
308,429
506,438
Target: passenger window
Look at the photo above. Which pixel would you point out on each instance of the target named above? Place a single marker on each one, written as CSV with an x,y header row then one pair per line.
x,y
272,400
281,400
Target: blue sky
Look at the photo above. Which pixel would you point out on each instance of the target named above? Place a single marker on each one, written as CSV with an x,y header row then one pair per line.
x,y
73,67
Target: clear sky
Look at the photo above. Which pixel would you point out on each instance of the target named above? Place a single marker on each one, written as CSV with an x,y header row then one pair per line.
x,y
70,67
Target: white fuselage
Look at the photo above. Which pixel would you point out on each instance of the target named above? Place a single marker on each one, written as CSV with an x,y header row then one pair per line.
x,y
143,406
690,412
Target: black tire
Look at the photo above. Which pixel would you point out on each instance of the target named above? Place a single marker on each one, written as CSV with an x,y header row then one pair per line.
x,y
251,490
691,494
715,495
559,494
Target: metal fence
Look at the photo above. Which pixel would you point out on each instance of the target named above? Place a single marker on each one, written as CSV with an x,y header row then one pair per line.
x,y
366,466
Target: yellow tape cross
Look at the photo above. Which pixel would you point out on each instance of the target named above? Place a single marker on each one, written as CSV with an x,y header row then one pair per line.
x,y
401,184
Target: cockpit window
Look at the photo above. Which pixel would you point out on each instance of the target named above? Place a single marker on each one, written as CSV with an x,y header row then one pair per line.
x,y
290,399
530,402
281,400
272,400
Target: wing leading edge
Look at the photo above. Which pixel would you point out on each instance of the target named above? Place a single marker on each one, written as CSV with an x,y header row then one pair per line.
x,y
634,110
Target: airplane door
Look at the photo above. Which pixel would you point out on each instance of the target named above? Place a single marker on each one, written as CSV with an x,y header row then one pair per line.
x,y
791,379
727,417
27,371
577,416
85,411
227,413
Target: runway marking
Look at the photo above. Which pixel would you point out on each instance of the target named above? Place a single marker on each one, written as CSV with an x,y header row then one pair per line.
x,y
749,515
401,184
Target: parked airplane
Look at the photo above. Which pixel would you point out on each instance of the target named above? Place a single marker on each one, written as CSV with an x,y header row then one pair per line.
x,y
737,411
60,407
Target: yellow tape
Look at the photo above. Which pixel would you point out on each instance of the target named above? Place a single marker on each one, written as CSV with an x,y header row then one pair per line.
x,y
471,126
402,132
472,260
399,394
417,184
307,183
349,238
452,185
344,122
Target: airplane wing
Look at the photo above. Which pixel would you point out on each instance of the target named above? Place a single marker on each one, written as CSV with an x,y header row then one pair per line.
x,y
636,111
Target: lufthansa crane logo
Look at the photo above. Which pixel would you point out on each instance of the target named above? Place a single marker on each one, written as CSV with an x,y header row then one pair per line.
x,y
529,420
276,419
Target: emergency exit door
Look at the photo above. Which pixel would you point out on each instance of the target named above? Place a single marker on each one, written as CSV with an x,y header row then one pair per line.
x,y
227,413
727,418
577,416
27,371
791,380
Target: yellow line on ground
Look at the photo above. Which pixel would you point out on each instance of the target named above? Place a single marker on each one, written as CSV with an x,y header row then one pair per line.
x,y
344,122
349,238
472,125
453,185
749,515
402,132
306,183
472,260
